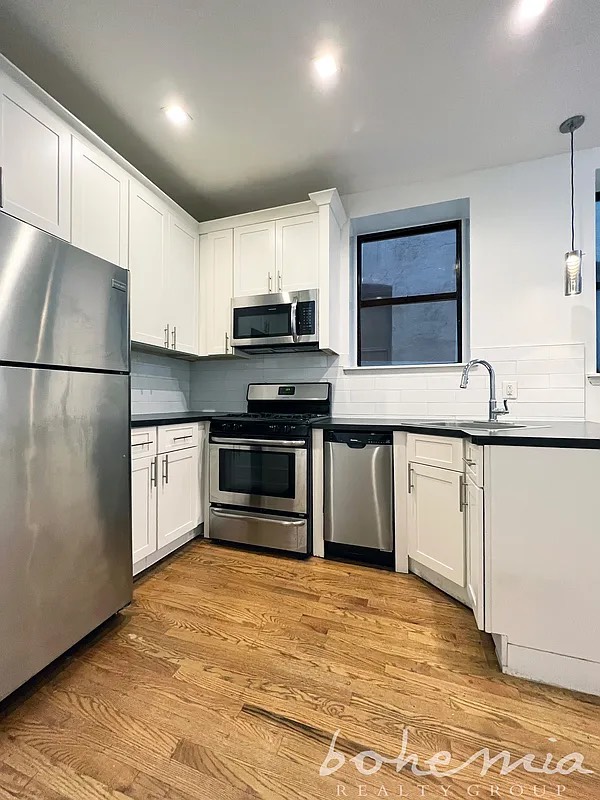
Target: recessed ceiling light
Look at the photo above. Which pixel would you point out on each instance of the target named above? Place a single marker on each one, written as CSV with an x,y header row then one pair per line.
x,y
530,9
176,114
326,67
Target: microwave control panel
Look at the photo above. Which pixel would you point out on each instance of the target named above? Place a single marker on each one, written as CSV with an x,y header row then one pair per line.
x,y
305,318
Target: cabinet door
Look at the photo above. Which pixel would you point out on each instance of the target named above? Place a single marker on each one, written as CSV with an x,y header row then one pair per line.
x,y
297,249
35,149
216,290
254,259
179,492
143,506
475,564
148,220
99,204
182,279
436,528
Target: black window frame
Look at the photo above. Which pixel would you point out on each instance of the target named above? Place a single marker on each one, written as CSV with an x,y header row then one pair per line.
x,y
454,225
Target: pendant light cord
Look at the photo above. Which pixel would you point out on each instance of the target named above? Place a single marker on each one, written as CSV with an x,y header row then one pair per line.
x,y
572,194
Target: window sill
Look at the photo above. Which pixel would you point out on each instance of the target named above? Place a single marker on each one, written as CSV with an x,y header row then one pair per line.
x,y
407,368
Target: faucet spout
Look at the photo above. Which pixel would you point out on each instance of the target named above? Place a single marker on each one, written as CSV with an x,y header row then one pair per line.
x,y
494,409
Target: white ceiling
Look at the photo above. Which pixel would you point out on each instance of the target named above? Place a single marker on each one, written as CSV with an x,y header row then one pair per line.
x,y
428,88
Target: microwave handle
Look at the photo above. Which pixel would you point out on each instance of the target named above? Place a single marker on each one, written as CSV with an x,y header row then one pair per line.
x,y
294,316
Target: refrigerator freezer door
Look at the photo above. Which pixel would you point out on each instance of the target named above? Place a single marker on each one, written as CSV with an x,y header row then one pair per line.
x,y
65,544
60,306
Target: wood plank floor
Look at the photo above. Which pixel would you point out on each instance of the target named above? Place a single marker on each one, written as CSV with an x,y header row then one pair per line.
x,y
229,673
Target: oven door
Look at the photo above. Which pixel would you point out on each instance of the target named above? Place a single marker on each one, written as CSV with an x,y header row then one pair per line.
x,y
269,476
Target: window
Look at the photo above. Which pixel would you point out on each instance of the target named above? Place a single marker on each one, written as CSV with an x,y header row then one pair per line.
x,y
409,296
598,281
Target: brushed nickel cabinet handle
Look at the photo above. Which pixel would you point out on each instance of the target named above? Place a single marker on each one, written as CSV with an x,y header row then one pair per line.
x,y
462,493
226,342
167,335
270,282
165,472
153,471
174,335
410,483
279,281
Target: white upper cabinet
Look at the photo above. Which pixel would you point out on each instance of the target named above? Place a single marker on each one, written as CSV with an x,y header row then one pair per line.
x,y
216,289
99,209
436,527
148,230
254,259
297,253
182,282
35,148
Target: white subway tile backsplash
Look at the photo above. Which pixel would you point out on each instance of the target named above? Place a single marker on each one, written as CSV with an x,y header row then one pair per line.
x,y
159,383
550,384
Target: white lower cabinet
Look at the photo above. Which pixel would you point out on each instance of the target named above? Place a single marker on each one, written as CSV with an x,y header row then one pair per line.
x,y
178,494
475,560
143,507
166,492
436,526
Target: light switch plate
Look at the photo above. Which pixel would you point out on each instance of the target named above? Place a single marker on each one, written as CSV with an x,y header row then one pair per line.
x,y
510,390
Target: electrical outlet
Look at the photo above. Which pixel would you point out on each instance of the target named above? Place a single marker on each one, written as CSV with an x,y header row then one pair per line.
x,y
510,390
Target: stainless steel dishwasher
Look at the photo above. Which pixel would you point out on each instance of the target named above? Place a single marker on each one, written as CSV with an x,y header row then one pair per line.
x,y
358,496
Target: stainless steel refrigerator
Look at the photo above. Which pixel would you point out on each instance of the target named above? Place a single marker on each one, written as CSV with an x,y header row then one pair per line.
x,y
65,541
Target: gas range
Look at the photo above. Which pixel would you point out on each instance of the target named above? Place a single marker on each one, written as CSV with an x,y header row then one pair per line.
x,y
266,424
277,409
260,491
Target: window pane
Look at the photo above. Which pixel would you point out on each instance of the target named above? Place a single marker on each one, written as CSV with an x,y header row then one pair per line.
x,y
417,264
416,333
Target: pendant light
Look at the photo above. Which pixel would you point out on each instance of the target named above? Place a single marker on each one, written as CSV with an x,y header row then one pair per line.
x,y
573,257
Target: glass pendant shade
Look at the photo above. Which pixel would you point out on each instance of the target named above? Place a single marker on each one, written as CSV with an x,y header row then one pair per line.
x,y
573,272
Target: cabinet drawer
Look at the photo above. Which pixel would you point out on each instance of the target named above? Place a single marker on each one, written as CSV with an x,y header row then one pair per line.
x,y
143,442
474,462
435,451
177,437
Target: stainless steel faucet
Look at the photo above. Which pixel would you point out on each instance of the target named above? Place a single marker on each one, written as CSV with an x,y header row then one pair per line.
x,y
495,410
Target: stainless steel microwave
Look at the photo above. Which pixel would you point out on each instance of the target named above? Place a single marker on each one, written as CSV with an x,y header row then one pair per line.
x,y
271,322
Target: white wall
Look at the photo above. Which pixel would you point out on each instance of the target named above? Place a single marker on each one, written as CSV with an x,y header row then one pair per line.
x,y
158,383
519,316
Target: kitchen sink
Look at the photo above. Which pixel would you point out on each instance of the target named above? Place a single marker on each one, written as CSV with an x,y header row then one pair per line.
x,y
476,424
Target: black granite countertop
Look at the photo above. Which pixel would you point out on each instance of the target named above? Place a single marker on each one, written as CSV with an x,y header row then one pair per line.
x,y
173,418
537,433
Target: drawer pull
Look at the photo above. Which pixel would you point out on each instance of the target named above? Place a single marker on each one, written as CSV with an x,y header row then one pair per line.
x,y
181,438
140,444
470,463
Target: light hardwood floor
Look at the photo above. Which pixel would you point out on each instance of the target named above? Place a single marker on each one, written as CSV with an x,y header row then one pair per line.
x,y
229,673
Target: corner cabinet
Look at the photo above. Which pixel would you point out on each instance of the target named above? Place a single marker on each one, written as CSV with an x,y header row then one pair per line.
x,y
436,527
35,156
216,290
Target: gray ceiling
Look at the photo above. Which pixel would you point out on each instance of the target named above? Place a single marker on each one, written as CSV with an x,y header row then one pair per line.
x,y
428,88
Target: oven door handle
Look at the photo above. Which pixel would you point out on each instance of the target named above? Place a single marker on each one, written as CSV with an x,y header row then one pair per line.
x,y
290,523
267,442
